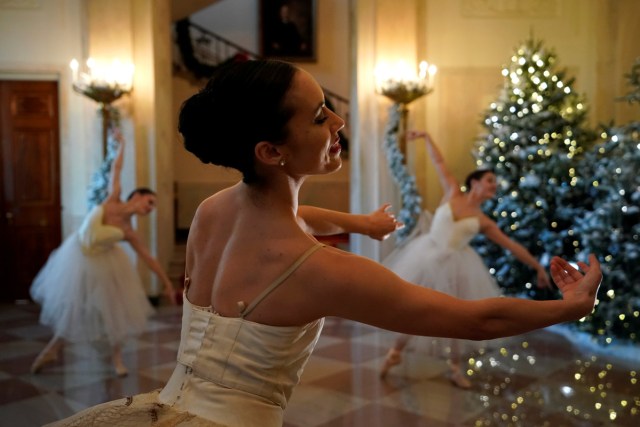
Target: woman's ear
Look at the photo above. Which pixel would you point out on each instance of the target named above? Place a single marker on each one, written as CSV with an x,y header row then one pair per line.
x,y
268,153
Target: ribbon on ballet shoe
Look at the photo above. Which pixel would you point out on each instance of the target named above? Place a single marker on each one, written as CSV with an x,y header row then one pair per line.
x,y
459,380
121,370
43,359
394,357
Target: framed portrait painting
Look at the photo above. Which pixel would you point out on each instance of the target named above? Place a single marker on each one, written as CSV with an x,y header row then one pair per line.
x,y
288,29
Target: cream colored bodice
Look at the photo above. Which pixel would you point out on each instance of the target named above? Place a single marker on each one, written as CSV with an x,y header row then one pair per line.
x,y
96,237
453,234
237,372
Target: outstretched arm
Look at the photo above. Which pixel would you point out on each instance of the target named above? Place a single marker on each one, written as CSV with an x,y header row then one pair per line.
x,y
493,232
447,181
133,239
116,168
378,225
363,284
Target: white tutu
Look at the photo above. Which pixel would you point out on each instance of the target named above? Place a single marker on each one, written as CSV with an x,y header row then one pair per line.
x,y
442,260
91,295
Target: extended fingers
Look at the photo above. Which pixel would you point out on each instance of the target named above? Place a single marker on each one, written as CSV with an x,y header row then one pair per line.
x,y
384,207
563,269
594,267
583,266
558,273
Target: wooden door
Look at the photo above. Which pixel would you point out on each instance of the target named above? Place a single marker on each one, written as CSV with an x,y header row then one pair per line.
x,y
30,221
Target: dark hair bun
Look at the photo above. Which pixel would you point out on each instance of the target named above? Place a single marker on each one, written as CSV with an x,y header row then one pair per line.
x,y
193,126
242,104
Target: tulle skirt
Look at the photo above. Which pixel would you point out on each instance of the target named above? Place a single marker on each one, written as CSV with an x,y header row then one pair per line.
x,y
458,272
91,297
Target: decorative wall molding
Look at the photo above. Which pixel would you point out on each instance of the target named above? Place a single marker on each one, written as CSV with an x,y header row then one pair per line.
x,y
510,8
20,4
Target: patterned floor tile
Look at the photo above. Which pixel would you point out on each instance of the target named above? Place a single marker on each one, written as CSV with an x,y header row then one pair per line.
x,y
312,406
436,400
375,415
362,382
539,379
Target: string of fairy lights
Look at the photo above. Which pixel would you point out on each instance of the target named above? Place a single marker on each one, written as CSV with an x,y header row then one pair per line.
x,y
531,83
591,390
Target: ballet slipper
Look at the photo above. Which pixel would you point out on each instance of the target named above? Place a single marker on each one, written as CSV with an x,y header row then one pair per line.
x,y
43,358
121,370
394,357
459,379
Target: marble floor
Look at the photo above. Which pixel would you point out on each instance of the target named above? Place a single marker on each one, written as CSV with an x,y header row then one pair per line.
x,y
539,379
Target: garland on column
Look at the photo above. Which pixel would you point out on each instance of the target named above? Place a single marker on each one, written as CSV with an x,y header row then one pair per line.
x,y
99,187
411,200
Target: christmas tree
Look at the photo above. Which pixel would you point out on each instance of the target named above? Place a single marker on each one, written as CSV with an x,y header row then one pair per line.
x,y
611,227
534,134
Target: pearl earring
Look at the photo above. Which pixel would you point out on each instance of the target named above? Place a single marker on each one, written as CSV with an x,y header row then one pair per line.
x,y
282,162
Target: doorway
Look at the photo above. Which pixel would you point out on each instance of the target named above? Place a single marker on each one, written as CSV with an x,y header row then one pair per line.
x,y
30,222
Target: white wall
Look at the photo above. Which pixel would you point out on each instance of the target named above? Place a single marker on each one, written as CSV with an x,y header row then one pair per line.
x,y
235,20
37,41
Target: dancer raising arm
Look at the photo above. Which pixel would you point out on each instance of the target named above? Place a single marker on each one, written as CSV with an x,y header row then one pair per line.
x,y
89,289
258,285
442,259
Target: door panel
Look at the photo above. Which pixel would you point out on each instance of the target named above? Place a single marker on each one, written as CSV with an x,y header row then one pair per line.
x,y
30,181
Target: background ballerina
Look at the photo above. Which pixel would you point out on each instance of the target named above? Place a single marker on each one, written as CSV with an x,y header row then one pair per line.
x,y
89,289
442,258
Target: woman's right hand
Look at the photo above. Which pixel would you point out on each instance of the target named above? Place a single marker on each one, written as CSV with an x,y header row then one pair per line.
x,y
576,286
381,223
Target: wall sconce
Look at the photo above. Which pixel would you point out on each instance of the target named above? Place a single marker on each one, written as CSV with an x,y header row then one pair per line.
x,y
403,86
104,83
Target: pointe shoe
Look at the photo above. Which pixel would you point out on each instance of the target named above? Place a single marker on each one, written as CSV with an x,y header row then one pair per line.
x,y
121,370
43,359
394,357
459,380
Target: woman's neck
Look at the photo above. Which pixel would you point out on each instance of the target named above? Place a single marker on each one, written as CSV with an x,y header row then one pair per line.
x,y
474,199
281,192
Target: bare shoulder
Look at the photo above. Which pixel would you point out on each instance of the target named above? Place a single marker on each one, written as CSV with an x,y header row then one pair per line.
x,y
211,207
333,276
212,201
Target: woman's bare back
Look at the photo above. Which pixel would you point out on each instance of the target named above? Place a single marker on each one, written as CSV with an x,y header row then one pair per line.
x,y
236,249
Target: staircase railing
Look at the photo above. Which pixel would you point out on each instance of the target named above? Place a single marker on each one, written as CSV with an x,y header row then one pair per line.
x,y
199,51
